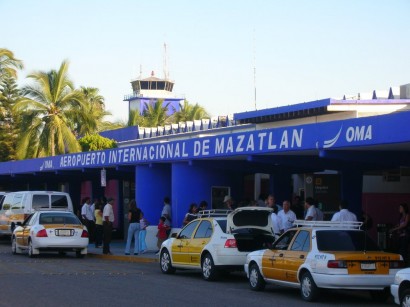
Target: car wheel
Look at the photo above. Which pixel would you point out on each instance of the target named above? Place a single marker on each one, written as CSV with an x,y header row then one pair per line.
x,y
380,295
209,271
31,249
256,282
165,263
14,249
308,289
405,298
79,255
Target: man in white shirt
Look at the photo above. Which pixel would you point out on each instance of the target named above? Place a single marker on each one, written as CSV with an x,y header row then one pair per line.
x,y
311,214
276,225
286,216
344,215
108,221
88,217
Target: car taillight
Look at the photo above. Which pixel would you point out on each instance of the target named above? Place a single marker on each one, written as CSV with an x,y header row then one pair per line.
x,y
397,264
230,243
42,234
84,234
336,264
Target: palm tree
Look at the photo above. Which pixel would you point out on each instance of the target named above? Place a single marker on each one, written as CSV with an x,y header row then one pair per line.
x,y
47,113
189,112
8,64
155,113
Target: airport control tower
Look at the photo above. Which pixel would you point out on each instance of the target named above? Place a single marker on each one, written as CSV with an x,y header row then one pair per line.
x,y
149,90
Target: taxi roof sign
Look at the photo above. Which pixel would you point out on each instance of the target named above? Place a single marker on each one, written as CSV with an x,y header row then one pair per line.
x,y
345,224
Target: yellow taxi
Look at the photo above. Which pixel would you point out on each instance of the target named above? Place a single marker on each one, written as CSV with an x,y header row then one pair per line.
x,y
217,241
324,255
50,231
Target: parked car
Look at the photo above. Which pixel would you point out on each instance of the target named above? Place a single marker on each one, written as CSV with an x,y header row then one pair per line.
x,y
217,241
50,230
17,206
324,255
400,289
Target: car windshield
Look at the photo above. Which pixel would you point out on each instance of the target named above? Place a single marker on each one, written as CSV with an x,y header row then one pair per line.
x,y
344,240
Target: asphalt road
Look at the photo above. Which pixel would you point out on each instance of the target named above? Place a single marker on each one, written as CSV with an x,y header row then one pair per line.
x,y
53,280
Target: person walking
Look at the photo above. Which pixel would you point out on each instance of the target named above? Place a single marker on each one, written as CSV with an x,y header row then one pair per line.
x,y
108,221
166,212
403,231
134,216
143,233
286,216
344,215
98,224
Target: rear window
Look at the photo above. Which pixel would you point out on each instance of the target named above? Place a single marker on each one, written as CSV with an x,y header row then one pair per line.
x,y
40,201
222,224
344,241
251,218
58,218
59,201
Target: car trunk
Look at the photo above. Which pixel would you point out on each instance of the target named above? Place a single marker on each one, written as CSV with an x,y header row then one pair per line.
x,y
251,227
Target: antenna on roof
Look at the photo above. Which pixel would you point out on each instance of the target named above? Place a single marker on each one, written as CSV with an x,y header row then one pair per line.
x,y
165,62
140,72
254,67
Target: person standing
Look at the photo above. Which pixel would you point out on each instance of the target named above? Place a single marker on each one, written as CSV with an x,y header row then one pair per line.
x,y
108,221
166,212
202,205
311,213
98,224
191,214
162,233
403,231
270,202
286,216
134,216
344,215
88,217
143,233
229,202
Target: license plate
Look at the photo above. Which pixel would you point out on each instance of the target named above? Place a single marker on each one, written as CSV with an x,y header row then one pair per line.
x,y
368,265
63,232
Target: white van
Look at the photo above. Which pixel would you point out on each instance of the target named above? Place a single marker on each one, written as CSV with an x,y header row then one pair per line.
x,y
16,206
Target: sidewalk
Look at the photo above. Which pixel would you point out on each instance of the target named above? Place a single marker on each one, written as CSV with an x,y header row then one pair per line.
x,y
117,250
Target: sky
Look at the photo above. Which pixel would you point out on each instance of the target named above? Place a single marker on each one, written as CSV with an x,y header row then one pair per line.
x,y
218,52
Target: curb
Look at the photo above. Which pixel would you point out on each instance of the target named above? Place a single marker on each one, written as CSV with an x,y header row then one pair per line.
x,y
125,258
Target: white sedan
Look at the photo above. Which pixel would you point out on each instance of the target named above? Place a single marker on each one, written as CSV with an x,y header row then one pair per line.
x,y
400,289
50,230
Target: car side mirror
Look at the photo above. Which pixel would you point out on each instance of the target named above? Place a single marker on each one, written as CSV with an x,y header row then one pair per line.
x,y
19,223
174,235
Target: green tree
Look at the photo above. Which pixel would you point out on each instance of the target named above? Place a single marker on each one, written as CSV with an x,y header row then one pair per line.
x,y
155,114
9,95
135,118
47,113
8,64
189,112
92,142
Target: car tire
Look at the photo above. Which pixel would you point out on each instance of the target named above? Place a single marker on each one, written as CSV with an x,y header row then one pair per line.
x,y
166,263
31,249
14,249
380,295
308,289
256,282
209,271
405,298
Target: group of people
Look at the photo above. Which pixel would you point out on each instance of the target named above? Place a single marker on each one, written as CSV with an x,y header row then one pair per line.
x,y
99,220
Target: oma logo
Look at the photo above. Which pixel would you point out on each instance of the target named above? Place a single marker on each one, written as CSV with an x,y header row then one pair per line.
x,y
359,133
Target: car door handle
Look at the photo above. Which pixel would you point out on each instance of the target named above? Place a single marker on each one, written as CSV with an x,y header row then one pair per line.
x,y
180,246
302,256
280,255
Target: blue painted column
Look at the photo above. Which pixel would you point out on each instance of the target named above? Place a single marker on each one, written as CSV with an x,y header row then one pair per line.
x,y
352,189
281,186
152,184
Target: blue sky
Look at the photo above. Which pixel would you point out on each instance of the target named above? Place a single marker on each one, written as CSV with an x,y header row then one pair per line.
x,y
302,50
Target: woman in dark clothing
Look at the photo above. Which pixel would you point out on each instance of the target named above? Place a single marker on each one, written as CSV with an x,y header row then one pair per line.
x,y
403,231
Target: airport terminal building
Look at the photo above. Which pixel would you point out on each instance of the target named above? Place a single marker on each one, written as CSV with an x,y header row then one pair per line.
x,y
330,149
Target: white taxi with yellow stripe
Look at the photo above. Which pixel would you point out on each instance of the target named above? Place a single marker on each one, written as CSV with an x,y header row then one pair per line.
x,y
50,231
328,255
217,241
